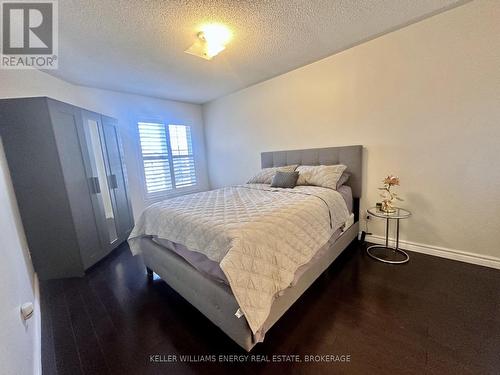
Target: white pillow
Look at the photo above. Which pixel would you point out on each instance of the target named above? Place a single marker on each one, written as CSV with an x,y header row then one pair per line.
x,y
320,175
265,176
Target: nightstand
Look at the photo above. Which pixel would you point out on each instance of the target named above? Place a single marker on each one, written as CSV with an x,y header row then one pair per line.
x,y
389,254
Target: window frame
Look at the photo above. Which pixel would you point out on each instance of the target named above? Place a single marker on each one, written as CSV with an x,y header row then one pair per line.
x,y
174,191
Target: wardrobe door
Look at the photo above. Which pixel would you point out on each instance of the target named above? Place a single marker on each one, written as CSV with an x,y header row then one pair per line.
x,y
97,173
67,128
117,178
42,188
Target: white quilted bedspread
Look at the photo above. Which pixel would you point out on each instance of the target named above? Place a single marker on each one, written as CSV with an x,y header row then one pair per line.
x,y
259,235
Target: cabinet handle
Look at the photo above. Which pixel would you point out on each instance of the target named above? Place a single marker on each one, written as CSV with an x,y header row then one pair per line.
x,y
97,185
92,185
113,183
96,188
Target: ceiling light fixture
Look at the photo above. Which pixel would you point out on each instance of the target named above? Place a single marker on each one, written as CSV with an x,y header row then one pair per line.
x,y
211,40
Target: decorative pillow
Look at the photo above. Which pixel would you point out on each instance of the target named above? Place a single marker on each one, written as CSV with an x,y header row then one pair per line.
x,y
320,175
265,176
343,179
285,179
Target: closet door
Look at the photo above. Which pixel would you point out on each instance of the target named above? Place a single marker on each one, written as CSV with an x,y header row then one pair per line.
x,y
117,178
97,173
67,128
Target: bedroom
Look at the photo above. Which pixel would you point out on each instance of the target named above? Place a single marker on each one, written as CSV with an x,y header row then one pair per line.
x,y
125,130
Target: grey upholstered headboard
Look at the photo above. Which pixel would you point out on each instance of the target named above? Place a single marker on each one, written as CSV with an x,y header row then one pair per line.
x,y
351,156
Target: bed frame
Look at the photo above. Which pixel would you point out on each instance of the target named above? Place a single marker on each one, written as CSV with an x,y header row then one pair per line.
x,y
214,299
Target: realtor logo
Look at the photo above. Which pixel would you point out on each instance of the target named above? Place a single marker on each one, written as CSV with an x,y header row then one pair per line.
x,y
29,34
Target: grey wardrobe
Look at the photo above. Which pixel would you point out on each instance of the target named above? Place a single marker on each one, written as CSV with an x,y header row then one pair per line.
x,y
70,182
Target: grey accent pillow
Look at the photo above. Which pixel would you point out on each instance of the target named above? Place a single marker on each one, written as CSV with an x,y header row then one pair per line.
x,y
285,179
265,176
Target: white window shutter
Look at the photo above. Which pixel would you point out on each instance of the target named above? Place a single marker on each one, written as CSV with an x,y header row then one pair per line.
x,y
155,157
168,159
182,155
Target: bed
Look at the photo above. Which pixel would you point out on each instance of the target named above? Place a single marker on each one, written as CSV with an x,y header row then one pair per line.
x,y
242,255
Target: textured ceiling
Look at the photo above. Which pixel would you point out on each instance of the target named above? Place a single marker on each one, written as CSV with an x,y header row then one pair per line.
x,y
137,46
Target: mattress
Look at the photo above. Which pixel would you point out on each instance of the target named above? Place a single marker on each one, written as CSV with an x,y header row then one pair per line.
x,y
259,236
212,269
346,192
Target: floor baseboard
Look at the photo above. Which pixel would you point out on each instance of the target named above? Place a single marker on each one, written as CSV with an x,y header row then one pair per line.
x,y
442,252
37,349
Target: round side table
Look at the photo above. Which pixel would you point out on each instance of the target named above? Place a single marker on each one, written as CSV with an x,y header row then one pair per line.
x,y
389,254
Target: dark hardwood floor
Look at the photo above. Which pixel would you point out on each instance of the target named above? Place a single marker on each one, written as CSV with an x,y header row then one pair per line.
x,y
431,315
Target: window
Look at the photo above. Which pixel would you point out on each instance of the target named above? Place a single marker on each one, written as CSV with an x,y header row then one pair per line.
x,y
167,154
182,155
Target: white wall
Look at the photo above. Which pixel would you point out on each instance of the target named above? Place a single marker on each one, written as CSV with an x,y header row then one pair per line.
x,y
423,100
128,109
18,339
